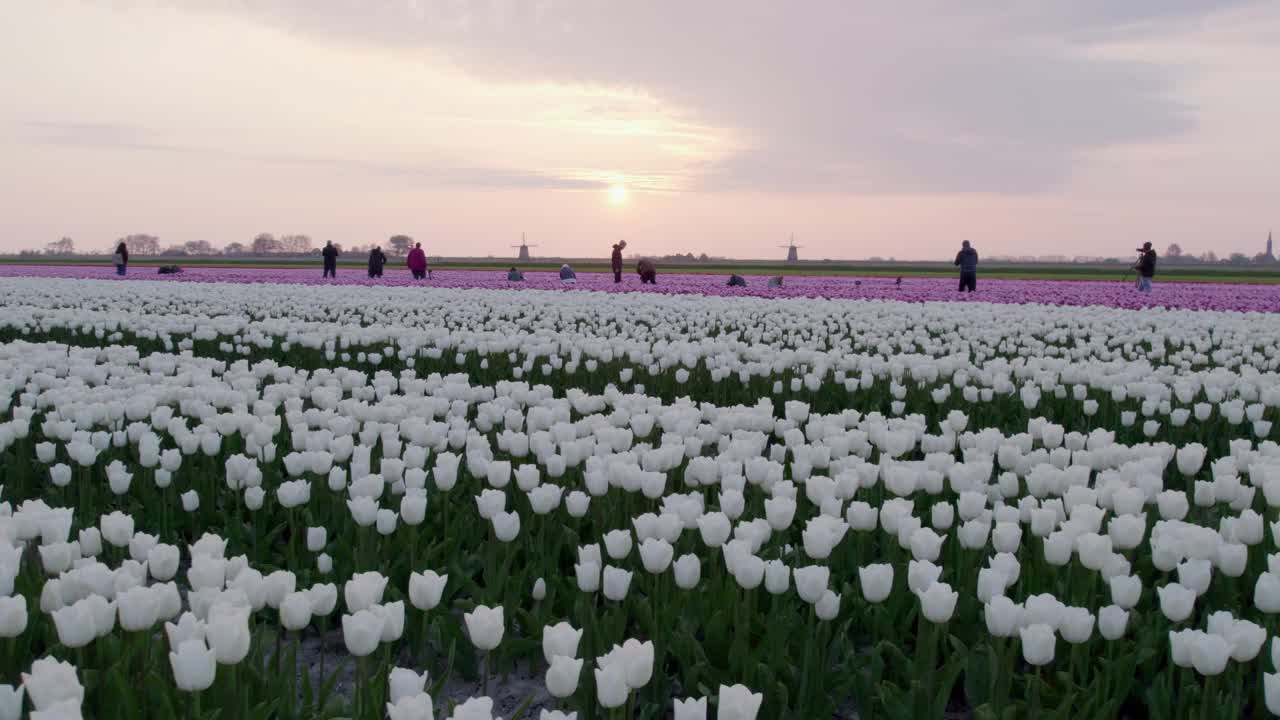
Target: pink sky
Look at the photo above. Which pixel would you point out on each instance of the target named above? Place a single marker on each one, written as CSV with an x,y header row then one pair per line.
x,y
865,128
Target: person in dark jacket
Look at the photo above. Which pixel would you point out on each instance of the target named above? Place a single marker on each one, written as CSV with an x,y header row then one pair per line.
x,y
330,255
567,275
615,260
737,281
1146,267
121,258
377,259
417,262
967,259
775,281
514,275
647,271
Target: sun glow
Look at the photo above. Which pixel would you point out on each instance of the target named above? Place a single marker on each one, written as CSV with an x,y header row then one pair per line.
x,y
617,195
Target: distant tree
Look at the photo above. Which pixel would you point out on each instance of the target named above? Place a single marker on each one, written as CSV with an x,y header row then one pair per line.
x,y
297,244
1174,251
703,257
399,244
1209,257
198,247
1238,259
265,244
63,246
235,248
140,244
174,251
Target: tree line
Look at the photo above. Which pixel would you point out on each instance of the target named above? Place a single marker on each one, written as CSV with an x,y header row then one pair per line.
x,y
142,244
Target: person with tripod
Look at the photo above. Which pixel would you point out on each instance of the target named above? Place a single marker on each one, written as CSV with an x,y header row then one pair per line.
x,y
967,260
330,255
1145,267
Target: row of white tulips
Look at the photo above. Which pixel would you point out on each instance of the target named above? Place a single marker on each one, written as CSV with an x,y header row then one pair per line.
x,y
922,486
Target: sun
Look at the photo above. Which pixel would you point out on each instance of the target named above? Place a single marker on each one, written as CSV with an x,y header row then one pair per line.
x,y
617,195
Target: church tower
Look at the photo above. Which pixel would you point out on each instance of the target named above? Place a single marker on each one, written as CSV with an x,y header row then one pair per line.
x,y
1270,256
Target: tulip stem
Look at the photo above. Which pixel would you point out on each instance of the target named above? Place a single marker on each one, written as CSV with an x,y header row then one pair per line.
x,y
357,705
1033,704
1207,704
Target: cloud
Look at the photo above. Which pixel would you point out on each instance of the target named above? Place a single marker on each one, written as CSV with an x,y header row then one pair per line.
x,y
834,94
426,171
94,135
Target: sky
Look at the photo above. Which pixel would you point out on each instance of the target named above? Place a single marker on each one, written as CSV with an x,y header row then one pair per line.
x,y
863,128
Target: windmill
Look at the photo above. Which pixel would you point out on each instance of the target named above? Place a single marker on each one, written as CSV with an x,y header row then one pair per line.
x,y
792,255
524,248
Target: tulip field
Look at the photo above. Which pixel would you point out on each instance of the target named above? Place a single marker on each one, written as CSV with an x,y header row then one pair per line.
x,y
265,499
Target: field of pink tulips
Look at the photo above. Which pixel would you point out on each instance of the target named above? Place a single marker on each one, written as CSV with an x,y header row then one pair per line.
x,y
249,494
1186,296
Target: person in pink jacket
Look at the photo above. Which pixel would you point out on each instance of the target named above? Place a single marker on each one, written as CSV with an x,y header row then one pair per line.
x,y
417,262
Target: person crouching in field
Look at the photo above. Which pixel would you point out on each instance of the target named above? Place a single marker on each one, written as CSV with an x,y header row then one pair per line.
x,y
967,259
417,262
647,271
775,281
567,275
330,255
514,275
736,280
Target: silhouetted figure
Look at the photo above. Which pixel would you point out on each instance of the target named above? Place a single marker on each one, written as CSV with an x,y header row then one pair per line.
x,y
737,281
514,275
567,275
897,284
417,262
775,281
121,258
1145,267
330,255
647,272
377,259
615,260
967,259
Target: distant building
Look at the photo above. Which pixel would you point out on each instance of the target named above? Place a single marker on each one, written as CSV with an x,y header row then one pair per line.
x,y
1269,256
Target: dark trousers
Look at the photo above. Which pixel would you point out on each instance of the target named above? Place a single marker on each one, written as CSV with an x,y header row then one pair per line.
x,y
650,278
419,274
331,269
617,275
968,281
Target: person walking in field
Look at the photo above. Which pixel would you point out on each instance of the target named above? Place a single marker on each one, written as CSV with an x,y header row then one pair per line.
x,y
647,271
1145,267
615,260
377,259
417,262
967,260
330,255
121,258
